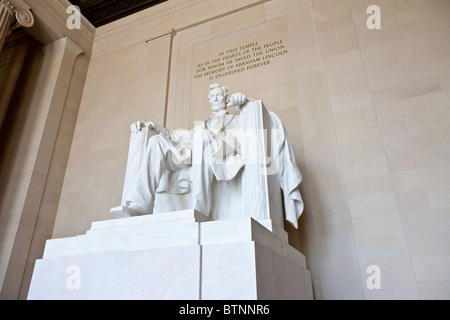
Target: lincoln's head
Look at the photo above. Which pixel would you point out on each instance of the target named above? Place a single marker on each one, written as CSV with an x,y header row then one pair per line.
x,y
218,97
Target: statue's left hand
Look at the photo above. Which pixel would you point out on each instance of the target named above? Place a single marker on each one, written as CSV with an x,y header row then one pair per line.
x,y
237,99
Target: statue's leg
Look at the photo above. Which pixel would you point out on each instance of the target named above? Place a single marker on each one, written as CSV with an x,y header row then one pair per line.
x,y
142,197
201,190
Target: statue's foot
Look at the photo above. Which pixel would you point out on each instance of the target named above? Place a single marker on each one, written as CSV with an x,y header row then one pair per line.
x,y
130,209
134,209
119,212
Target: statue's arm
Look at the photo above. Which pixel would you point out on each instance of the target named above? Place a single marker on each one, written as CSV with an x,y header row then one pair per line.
x,y
169,134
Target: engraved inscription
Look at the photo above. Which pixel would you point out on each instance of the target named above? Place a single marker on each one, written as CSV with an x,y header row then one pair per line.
x,y
240,59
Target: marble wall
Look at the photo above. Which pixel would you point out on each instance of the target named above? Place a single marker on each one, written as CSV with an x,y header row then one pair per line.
x,y
367,112
42,74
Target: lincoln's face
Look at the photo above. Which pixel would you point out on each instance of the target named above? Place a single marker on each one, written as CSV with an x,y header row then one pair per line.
x,y
217,99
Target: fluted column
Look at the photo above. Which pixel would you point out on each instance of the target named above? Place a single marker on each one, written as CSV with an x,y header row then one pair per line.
x,y
6,19
13,11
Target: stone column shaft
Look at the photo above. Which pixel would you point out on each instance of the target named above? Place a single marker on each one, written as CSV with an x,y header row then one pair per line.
x,y
6,19
11,11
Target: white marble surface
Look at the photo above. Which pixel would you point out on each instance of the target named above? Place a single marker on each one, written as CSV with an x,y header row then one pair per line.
x,y
247,229
177,255
248,270
169,273
176,228
181,215
229,271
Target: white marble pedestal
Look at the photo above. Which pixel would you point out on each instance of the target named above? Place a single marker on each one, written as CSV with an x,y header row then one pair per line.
x,y
177,255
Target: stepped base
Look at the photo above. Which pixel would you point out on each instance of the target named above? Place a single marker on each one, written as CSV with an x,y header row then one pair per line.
x,y
177,255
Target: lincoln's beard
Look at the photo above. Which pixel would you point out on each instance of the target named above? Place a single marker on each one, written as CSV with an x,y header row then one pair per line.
x,y
216,108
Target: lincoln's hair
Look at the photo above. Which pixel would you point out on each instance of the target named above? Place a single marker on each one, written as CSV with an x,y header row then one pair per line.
x,y
224,89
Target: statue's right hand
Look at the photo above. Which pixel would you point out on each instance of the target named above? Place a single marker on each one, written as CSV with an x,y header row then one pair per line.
x,y
138,125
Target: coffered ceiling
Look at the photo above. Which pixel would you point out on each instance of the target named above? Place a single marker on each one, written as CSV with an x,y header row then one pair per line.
x,y
101,12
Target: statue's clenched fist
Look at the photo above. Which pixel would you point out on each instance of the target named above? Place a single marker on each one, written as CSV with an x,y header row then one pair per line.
x,y
237,99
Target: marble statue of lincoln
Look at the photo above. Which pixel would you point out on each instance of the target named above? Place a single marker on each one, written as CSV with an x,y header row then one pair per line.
x,y
188,162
